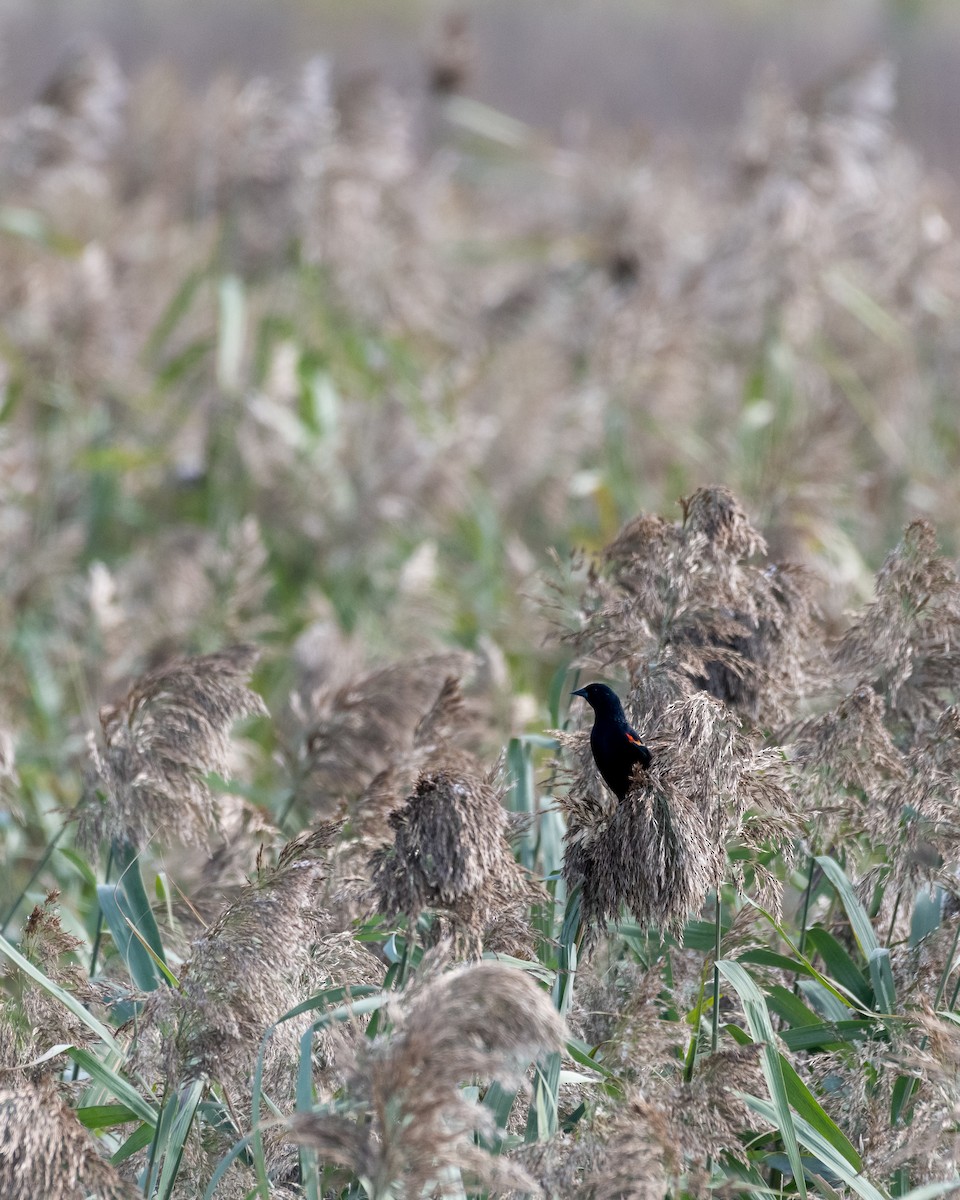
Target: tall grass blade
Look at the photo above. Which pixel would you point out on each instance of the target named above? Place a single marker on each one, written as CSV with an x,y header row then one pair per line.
x,y
761,1029
66,999
186,1108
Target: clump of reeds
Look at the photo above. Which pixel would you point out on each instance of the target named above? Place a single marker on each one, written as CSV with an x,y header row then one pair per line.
x,y
39,1022
354,733
261,957
905,641
45,1151
659,851
882,760
708,639
451,855
690,597
413,1125
663,1136
160,743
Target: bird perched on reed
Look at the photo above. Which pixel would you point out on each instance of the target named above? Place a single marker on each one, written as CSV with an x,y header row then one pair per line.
x,y
616,746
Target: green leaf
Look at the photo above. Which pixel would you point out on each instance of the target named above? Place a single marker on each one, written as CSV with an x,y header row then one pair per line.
x,y
581,1053
139,909
840,966
881,976
902,1091
825,1001
136,956
761,1028
137,1141
309,1159
790,1007
81,864
122,1091
104,1116
231,332
819,1146
499,1101
186,1107
859,920
805,1104
830,1035
542,1118
522,795
225,1164
927,915
702,935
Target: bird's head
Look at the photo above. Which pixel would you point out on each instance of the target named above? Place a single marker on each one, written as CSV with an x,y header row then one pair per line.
x,y
600,698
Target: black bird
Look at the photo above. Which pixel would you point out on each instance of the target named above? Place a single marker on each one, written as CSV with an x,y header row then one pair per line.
x,y
616,747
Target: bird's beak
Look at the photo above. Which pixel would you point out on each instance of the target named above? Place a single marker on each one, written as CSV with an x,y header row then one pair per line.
x,y
580,692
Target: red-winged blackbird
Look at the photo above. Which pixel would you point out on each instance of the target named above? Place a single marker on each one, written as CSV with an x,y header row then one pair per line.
x,y
616,746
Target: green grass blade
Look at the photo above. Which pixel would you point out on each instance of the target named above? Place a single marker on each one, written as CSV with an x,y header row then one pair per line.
x,y
830,1035
793,1010
821,1149
542,1116
122,1091
105,1116
499,1101
186,1103
859,920
309,1159
137,1141
224,1165
136,956
840,966
927,915
138,907
805,1105
881,976
65,998
231,333
761,1028
824,1001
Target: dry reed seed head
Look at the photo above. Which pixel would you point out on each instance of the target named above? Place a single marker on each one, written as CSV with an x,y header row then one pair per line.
x,y
685,593
915,816
252,965
170,731
47,1022
663,847
665,1132
45,1151
484,1021
667,1129
652,855
451,854
847,748
434,747
717,515
905,642
637,1158
356,732
930,1147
